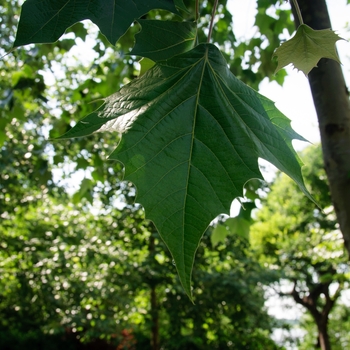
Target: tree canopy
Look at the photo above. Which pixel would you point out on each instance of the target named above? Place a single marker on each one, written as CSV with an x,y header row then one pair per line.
x,y
169,125
304,242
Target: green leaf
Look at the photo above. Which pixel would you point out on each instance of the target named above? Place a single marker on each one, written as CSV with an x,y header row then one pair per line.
x,y
218,235
238,226
306,48
282,124
44,21
175,38
232,226
193,134
180,4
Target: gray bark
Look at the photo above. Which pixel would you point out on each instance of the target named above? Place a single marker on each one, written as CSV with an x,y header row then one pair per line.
x,y
331,99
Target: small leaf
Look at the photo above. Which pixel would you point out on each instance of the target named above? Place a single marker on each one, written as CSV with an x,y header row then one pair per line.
x,y
306,48
218,235
238,226
232,226
193,134
44,21
160,40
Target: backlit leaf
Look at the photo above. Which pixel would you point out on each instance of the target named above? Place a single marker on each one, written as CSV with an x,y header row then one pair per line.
x,y
192,136
44,21
306,48
238,226
232,226
218,235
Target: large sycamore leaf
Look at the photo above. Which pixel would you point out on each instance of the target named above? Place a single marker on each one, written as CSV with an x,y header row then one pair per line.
x,y
160,40
44,21
192,136
306,48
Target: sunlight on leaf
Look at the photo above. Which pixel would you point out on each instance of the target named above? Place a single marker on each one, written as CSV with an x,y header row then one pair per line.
x,y
306,48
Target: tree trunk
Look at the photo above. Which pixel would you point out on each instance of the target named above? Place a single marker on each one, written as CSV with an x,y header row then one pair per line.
x,y
323,337
331,99
320,316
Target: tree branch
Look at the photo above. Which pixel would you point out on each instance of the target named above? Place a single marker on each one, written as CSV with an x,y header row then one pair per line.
x,y
212,20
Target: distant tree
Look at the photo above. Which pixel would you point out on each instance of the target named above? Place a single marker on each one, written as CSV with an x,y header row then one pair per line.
x,y
95,277
303,242
338,329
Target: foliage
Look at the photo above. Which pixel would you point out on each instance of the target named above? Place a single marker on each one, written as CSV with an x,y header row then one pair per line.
x,y
64,268
209,108
240,224
69,271
63,265
302,242
113,19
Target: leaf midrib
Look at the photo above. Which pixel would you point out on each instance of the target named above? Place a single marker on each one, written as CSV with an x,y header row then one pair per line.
x,y
161,95
205,58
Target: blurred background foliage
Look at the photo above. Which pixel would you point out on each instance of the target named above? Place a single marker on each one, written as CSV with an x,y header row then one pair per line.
x,y
303,244
80,267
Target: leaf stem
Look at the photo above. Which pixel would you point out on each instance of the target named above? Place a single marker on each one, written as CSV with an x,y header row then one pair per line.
x,y
212,19
297,9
